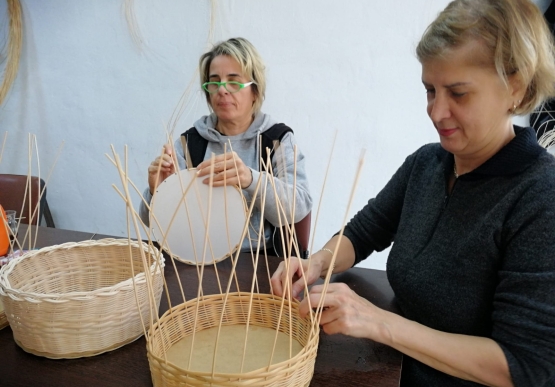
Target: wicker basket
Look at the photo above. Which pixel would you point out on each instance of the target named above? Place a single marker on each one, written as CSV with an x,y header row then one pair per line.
x,y
178,323
3,319
78,299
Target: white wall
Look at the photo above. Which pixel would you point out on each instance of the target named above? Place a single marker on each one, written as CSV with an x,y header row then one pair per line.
x,y
331,66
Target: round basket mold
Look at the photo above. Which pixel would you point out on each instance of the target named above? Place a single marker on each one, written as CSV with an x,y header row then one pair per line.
x,y
78,299
179,322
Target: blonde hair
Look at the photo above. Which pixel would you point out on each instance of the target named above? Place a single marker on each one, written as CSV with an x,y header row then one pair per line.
x,y
515,34
248,58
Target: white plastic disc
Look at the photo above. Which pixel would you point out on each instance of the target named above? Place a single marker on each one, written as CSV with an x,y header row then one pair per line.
x,y
181,206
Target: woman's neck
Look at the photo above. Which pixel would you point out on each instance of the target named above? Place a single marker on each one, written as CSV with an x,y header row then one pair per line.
x,y
468,163
234,127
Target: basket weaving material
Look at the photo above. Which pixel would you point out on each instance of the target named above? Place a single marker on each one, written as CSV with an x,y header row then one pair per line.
x,y
77,299
179,322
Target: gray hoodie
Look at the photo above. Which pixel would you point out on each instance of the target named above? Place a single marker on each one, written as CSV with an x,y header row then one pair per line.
x,y
247,145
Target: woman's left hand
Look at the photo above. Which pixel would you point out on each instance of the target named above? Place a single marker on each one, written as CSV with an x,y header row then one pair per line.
x,y
227,166
346,312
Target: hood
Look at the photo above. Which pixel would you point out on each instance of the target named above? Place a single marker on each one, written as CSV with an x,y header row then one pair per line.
x,y
206,127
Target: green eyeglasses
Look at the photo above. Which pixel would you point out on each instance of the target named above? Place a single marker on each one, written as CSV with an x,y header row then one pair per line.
x,y
232,87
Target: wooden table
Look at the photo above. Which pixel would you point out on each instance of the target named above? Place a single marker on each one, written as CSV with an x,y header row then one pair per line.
x,y
341,360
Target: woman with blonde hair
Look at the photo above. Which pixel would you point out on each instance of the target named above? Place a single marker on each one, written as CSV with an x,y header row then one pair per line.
x,y
471,219
238,133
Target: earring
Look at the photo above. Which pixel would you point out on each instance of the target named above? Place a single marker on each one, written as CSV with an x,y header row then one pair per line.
x,y
515,106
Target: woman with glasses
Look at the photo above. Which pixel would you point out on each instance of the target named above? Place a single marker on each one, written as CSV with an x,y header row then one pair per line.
x,y
471,218
232,77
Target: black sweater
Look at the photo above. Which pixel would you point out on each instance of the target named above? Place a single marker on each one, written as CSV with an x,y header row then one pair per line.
x,y
479,261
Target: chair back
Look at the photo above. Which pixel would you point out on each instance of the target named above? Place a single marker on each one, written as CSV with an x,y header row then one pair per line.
x,y
15,188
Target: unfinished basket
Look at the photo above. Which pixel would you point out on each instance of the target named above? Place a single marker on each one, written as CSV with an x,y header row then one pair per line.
x,y
77,299
267,312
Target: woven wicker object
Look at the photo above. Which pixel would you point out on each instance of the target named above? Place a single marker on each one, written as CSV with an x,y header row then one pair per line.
x,y
78,299
266,311
3,318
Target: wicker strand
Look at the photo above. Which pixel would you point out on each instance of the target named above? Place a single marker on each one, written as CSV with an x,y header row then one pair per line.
x,y
283,243
153,296
184,101
336,249
205,245
330,157
236,258
132,25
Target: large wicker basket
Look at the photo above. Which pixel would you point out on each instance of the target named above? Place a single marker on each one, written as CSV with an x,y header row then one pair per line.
x,y
179,322
3,318
78,299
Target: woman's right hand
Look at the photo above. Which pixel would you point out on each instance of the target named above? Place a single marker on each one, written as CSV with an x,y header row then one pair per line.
x,y
162,167
298,275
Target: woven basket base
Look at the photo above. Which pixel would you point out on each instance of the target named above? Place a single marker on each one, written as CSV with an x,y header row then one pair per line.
x,y
231,343
76,355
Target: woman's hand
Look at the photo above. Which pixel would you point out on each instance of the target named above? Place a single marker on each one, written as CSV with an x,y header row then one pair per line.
x,y
347,313
474,358
162,167
228,166
298,275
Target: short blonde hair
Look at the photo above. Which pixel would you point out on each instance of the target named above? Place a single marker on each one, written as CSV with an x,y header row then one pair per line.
x,y
248,58
514,32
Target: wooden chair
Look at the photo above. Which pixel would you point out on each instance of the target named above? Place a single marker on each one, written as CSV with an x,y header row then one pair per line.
x,y
12,192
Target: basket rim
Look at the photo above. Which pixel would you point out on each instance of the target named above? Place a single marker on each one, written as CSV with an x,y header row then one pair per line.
x,y
7,291
268,369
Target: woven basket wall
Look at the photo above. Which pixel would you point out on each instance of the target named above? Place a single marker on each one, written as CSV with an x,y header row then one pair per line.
x,y
77,299
178,323
3,318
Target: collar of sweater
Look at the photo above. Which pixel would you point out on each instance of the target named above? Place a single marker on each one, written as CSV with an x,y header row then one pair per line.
x,y
521,152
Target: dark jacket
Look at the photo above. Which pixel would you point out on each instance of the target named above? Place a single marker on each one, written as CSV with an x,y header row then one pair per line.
x,y
479,261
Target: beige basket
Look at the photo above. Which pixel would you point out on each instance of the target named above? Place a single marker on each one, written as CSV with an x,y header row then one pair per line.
x,y
77,299
179,322
3,319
